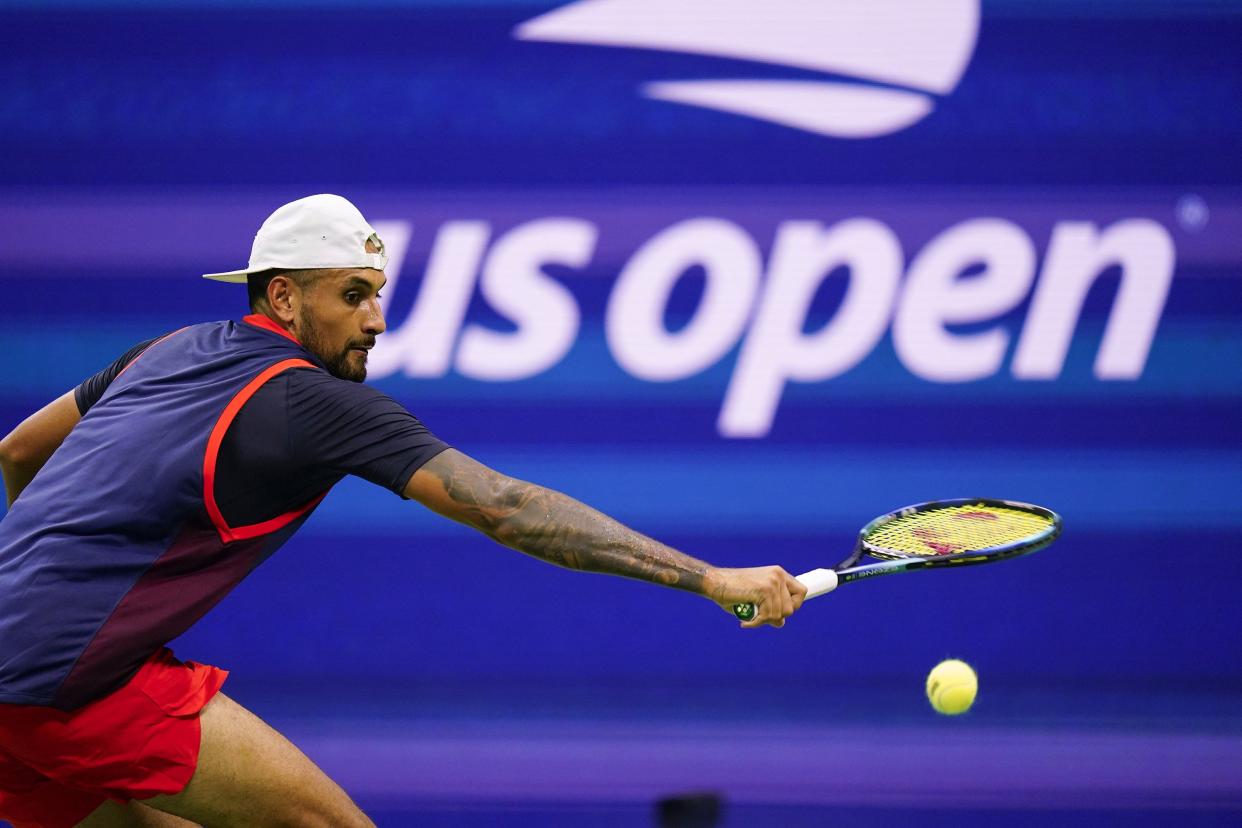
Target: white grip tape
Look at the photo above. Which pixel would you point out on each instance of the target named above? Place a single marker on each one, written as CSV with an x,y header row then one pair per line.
x,y
818,582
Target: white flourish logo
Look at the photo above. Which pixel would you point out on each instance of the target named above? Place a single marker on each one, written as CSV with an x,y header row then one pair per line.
x,y
905,53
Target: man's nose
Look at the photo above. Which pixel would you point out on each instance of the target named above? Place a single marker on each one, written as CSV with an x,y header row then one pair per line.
x,y
374,323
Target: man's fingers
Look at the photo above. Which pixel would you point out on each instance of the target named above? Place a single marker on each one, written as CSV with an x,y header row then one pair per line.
x,y
797,591
778,595
784,606
775,599
763,611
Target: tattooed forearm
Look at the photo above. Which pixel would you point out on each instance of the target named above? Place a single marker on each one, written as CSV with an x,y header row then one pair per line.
x,y
558,529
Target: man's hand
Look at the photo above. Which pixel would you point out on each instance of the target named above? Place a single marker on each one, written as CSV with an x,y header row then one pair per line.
x,y
775,593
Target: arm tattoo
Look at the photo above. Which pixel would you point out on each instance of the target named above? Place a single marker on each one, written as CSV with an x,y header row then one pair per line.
x,y
560,530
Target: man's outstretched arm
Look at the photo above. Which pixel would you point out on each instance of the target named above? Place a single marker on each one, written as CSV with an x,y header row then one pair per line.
x,y
24,451
558,529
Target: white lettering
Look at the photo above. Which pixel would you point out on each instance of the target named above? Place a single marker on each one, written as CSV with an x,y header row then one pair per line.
x,y
544,311
973,272
423,345
776,350
934,296
1077,255
634,323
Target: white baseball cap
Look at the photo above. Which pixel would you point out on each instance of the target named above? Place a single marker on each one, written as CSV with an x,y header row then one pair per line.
x,y
319,231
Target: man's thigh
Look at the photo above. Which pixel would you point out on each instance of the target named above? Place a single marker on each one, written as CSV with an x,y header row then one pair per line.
x,y
132,815
250,775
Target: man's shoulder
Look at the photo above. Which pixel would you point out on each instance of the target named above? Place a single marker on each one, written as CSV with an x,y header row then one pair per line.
x,y
321,408
319,385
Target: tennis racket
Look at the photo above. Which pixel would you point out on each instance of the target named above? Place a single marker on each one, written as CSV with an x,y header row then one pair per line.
x,y
938,534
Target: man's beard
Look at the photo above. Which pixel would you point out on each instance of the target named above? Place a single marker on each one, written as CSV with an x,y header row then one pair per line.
x,y
338,363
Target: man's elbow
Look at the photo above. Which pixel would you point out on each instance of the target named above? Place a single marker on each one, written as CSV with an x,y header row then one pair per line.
x,y
18,455
509,517
11,452
508,529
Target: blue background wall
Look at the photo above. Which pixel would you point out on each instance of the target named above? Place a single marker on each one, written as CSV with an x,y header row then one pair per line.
x,y
143,143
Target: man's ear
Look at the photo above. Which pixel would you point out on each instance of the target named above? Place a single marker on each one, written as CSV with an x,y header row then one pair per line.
x,y
284,297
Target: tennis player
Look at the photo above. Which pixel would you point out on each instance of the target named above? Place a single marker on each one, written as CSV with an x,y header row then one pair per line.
x,y
141,498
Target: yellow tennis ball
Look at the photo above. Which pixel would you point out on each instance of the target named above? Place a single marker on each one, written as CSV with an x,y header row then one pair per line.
x,y
951,687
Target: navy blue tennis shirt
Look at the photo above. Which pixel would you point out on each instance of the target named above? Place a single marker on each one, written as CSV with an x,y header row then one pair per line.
x,y
198,454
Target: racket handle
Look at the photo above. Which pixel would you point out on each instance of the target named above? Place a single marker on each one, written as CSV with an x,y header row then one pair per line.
x,y
817,582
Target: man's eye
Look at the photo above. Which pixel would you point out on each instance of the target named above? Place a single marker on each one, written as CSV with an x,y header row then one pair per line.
x,y
352,297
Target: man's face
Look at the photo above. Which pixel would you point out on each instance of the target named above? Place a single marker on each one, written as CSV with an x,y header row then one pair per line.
x,y
339,317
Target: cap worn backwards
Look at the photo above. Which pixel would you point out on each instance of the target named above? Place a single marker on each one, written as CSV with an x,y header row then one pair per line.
x,y
319,231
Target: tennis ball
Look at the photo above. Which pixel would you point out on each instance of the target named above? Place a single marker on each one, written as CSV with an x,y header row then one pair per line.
x,y
951,687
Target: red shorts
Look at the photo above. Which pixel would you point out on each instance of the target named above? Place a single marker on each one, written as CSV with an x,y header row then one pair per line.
x,y
139,741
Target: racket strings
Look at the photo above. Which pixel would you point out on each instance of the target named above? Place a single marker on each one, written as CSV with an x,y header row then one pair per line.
x,y
950,530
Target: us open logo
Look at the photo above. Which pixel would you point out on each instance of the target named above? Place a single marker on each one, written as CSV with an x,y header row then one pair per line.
x,y
890,59
884,65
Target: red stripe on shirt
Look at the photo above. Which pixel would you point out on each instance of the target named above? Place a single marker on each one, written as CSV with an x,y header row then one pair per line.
x,y
228,534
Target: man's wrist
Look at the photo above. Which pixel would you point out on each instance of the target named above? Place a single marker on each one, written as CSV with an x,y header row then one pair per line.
x,y
713,581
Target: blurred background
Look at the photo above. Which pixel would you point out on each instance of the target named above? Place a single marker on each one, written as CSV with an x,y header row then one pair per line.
x,y
743,274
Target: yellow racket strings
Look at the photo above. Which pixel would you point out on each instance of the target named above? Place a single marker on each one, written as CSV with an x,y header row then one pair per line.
x,y
954,529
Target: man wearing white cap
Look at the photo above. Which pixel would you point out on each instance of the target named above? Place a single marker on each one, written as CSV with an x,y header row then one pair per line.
x,y
166,478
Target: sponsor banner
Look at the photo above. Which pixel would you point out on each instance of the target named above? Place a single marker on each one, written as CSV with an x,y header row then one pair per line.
x,y
786,289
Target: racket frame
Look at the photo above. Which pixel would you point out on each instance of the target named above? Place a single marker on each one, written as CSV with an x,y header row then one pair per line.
x,y
894,562
847,571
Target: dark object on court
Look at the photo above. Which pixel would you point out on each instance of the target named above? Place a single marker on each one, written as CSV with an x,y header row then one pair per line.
x,y
694,810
